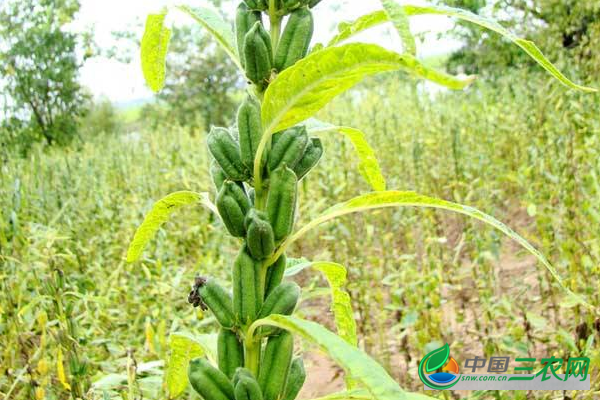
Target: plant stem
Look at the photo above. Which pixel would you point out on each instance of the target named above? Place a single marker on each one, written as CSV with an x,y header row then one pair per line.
x,y
275,25
252,343
252,354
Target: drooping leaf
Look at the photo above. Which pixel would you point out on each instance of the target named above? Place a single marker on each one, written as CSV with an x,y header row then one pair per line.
x,y
393,198
160,214
154,50
380,17
60,370
528,46
437,358
212,21
348,29
306,87
400,21
367,371
184,347
341,306
368,166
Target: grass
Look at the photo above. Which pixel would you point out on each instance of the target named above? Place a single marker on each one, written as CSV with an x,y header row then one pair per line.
x,y
527,154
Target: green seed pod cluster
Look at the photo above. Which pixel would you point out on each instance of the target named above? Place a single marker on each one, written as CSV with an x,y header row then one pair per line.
x,y
250,130
287,6
288,148
295,40
233,205
230,352
281,201
245,19
258,55
226,152
208,381
260,5
275,366
247,293
296,379
259,235
255,363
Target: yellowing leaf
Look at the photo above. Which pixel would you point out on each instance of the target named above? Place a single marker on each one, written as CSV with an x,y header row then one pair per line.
x,y
60,370
160,214
40,393
42,367
184,347
154,50
368,166
150,335
341,305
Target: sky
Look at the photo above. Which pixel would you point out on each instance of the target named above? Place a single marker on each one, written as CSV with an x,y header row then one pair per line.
x,y
123,83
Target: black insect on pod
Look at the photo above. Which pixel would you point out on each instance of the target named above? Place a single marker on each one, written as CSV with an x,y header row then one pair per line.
x,y
258,55
209,294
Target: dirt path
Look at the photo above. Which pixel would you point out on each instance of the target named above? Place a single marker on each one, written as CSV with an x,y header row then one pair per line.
x,y
323,376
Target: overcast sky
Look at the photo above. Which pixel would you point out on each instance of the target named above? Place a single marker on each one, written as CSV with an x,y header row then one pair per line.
x,y
124,82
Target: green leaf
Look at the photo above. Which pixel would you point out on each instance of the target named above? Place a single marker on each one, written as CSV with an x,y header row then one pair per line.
x,y
362,367
348,29
437,358
160,214
184,347
393,198
341,306
400,20
527,46
154,50
217,27
306,87
368,166
380,17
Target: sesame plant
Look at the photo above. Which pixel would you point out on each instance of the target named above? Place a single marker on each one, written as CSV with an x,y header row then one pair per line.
x,y
256,167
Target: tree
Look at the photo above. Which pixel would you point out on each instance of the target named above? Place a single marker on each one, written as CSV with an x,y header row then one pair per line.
x,y
202,83
40,66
